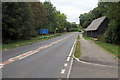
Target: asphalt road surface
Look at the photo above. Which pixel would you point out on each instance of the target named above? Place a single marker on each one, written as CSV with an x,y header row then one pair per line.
x,y
49,62
51,59
95,62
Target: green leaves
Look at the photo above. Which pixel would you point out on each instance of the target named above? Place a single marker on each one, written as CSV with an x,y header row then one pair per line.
x,y
112,11
16,20
56,19
22,20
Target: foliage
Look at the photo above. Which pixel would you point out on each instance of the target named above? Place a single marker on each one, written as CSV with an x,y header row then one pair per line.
x,y
39,15
112,11
77,52
16,21
22,20
56,19
87,18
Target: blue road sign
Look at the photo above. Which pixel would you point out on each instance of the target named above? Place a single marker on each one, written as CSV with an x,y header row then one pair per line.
x,y
43,31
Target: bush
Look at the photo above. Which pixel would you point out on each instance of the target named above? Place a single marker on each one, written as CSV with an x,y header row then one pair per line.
x,y
110,35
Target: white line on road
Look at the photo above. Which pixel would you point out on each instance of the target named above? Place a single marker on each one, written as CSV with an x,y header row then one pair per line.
x,y
1,64
62,71
68,75
1,67
65,64
68,59
11,60
70,68
91,63
72,49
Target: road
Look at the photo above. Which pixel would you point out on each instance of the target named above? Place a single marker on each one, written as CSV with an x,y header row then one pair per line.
x,y
51,59
49,62
94,62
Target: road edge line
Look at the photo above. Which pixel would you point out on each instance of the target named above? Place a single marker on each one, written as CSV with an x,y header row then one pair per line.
x,y
72,49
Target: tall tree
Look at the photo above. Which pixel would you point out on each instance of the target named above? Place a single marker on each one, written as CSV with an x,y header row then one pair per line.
x,y
50,9
113,32
16,21
56,19
39,15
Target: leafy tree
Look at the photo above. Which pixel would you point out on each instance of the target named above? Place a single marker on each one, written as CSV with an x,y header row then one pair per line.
x,y
16,21
39,15
50,9
56,19
113,13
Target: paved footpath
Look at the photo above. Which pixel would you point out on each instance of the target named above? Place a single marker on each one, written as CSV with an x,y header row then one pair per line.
x,y
95,62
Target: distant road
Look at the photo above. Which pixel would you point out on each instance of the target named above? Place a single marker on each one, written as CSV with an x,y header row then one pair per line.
x,y
49,62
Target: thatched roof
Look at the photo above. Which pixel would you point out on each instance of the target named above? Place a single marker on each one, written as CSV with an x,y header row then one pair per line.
x,y
95,24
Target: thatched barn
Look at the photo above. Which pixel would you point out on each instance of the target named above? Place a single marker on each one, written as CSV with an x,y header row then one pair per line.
x,y
97,27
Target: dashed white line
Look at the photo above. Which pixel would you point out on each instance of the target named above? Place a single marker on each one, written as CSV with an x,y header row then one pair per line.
x,y
1,67
72,49
22,57
68,59
11,60
65,64
62,71
70,68
1,64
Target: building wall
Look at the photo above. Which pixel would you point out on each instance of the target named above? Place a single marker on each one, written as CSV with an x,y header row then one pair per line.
x,y
100,31
91,34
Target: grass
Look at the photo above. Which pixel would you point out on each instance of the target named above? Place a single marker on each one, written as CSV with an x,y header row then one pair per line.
x,y
111,48
30,41
77,52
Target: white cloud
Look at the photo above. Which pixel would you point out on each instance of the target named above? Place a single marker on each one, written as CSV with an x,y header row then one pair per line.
x,y
73,8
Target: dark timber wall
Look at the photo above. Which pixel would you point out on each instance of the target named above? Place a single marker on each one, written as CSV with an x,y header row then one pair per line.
x,y
100,31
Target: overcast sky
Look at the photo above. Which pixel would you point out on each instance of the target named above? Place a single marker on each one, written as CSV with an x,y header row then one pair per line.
x,y
73,8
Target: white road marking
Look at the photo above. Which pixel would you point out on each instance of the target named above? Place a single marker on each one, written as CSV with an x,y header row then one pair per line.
x,y
22,57
1,67
68,59
91,63
11,60
70,68
62,71
72,49
65,64
1,64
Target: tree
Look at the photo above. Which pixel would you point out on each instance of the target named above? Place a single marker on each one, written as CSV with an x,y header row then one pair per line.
x,y
39,15
56,19
16,21
113,32
50,9
112,12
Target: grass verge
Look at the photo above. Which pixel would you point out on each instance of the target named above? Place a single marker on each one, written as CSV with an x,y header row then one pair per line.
x,y
30,41
77,52
111,48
